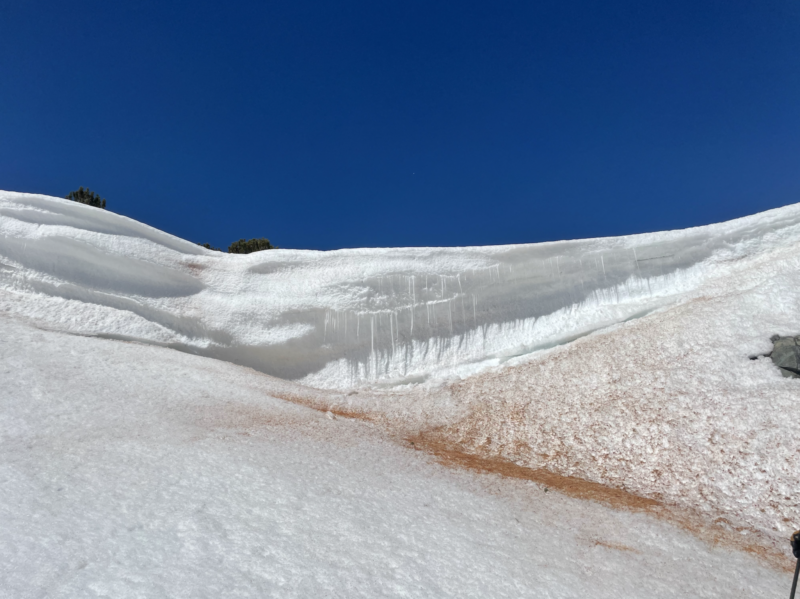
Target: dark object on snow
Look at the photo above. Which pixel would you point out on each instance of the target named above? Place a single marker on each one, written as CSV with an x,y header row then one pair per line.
x,y
795,541
208,246
786,355
86,196
251,245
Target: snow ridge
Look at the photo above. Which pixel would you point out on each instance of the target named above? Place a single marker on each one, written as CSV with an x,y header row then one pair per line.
x,y
353,317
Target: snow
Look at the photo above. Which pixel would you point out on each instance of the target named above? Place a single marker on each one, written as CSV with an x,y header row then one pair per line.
x,y
353,317
668,406
136,471
132,469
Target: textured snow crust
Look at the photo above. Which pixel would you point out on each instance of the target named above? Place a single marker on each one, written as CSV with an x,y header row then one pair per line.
x,y
670,406
137,471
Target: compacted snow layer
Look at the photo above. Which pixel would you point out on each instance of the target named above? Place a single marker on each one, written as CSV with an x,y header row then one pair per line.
x,y
136,471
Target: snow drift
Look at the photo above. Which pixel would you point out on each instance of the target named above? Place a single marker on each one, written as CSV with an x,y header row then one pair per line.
x,y
621,360
353,317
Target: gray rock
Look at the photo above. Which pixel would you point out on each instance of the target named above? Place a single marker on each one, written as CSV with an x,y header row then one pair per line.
x,y
786,355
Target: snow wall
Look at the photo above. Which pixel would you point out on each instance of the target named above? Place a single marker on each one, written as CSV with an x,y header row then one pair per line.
x,y
352,317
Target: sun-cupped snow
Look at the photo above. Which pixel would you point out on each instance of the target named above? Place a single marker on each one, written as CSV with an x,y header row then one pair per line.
x,y
625,361
670,406
354,317
136,471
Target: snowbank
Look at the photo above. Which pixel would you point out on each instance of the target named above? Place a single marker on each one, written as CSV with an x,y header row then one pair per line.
x,y
353,317
670,406
621,360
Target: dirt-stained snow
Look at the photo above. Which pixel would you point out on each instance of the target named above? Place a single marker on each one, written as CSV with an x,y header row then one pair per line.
x,y
132,469
135,471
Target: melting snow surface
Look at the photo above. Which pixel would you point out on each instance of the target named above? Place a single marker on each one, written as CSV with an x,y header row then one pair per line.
x,y
352,317
133,470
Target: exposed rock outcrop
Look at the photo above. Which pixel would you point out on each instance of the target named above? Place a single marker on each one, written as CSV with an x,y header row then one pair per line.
x,y
786,355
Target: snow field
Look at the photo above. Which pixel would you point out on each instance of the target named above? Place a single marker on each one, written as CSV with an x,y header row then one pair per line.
x,y
132,471
624,361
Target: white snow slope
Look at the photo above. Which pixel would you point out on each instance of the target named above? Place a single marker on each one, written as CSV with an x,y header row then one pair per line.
x,y
135,471
624,361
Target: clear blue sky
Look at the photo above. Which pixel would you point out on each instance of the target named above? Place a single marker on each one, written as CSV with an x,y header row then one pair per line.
x,y
368,123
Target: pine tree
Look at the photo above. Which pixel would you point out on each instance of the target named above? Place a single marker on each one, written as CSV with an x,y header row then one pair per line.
x,y
251,245
87,196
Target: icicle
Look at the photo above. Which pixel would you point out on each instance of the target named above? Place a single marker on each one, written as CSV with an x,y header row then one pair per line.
x,y
391,331
636,260
450,314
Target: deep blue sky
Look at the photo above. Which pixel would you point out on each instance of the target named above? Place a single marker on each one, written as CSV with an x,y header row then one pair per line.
x,y
368,123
